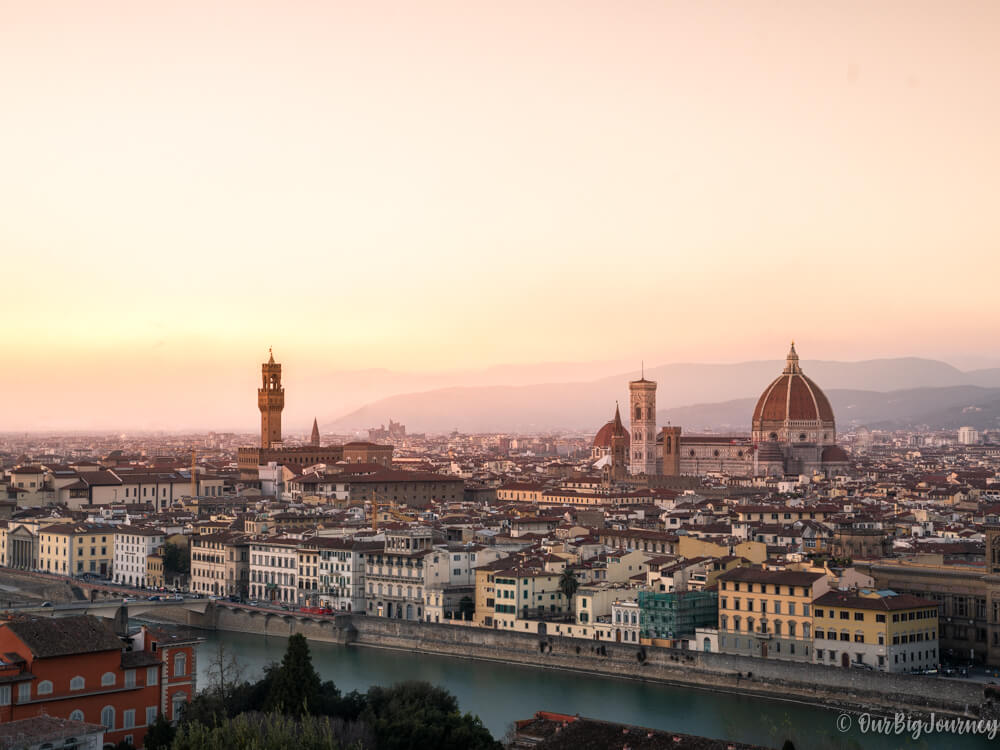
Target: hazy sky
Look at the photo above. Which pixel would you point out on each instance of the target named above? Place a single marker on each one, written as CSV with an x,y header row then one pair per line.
x,y
424,186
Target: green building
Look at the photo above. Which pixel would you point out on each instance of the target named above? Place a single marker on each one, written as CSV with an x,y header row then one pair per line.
x,y
677,614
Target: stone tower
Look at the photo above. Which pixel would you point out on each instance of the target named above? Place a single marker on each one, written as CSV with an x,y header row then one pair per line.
x,y
642,415
314,440
671,451
619,452
270,401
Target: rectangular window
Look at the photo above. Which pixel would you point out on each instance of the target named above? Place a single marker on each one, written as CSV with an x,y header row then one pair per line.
x,y
130,678
4,695
150,715
129,720
24,692
152,675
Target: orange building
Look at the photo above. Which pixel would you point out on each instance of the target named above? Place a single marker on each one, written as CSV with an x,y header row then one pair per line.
x,y
78,668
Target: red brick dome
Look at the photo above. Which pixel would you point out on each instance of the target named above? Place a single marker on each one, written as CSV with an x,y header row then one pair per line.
x,y
792,397
612,428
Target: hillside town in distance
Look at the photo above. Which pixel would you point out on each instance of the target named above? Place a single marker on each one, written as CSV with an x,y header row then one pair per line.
x,y
857,549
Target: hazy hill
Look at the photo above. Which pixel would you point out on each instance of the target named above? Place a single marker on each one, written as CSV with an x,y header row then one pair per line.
x,y
943,408
587,405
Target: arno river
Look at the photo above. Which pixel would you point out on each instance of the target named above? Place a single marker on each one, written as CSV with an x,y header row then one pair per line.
x,y
501,693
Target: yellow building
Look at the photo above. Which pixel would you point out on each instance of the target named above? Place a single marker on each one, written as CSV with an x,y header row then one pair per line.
x,y
887,632
154,570
75,549
768,613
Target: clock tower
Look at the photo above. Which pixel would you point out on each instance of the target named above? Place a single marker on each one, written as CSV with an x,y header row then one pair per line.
x,y
270,401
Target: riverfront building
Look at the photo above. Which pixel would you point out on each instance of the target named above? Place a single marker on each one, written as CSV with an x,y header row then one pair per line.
x,y
676,615
132,548
77,668
877,630
768,613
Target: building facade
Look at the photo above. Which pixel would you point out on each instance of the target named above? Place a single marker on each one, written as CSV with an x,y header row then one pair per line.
x,y
133,547
77,668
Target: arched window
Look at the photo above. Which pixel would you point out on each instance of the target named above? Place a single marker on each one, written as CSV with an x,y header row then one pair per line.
x,y
177,703
180,664
76,715
108,678
45,687
77,683
108,717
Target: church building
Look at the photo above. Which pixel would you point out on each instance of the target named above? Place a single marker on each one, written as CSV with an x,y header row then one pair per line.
x,y
793,431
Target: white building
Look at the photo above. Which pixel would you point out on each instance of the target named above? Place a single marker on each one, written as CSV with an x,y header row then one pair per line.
x,y
273,565
395,576
968,436
342,571
625,621
133,544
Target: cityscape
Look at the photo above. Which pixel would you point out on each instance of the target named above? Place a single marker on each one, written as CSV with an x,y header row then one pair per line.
x,y
626,376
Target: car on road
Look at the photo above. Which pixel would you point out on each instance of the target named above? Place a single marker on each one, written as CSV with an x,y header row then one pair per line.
x,y
253,603
47,604
155,598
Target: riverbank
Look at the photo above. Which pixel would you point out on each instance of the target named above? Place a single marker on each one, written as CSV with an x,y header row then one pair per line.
x,y
501,692
848,689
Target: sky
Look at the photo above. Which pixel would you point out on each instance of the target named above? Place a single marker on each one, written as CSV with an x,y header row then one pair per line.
x,y
427,187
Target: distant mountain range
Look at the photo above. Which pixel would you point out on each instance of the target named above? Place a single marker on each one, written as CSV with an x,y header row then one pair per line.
x,y
878,393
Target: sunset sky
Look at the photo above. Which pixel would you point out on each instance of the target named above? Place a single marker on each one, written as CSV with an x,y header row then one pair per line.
x,y
431,186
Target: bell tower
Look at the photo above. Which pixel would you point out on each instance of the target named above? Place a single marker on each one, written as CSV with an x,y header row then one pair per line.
x,y
270,401
642,416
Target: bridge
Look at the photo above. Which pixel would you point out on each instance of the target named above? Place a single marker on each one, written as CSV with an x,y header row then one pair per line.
x,y
111,608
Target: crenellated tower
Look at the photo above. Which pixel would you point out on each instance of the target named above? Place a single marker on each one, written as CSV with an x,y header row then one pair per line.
x,y
270,401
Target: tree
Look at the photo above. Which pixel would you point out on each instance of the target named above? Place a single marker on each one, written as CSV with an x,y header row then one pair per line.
x,y
415,715
224,672
273,731
466,607
568,584
160,734
295,684
176,558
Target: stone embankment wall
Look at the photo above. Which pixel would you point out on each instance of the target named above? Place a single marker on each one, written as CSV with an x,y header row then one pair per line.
x,y
832,686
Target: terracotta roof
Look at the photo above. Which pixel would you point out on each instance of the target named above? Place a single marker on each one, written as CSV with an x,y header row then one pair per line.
x,y
63,636
612,428
882,603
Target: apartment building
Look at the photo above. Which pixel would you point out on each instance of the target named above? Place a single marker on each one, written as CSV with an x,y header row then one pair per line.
x,y
768,613
885,631
77,668
394,576
341,571
76,548
133,546
274,569
220,564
